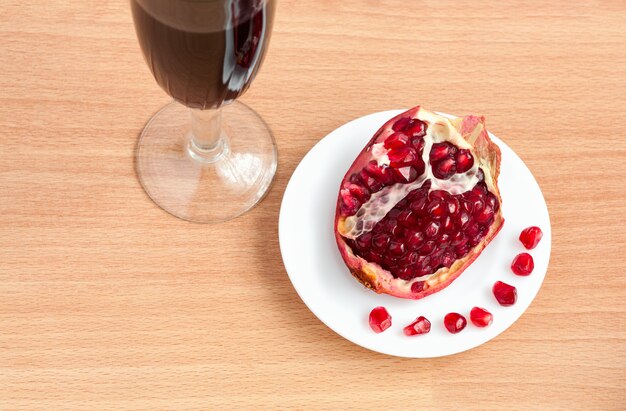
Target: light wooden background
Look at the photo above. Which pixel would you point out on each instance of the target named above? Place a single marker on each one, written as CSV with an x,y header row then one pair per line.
x,y
107,302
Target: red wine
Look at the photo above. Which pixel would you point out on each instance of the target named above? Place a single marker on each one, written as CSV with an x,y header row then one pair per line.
x,y
203,52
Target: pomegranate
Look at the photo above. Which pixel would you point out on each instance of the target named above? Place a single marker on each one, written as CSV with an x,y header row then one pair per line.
x,y
530,237
505,293
523,264
380,319
421,325
481,317
419,203
454,322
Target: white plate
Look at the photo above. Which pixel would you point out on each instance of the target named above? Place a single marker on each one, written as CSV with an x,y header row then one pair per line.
x,y
324,283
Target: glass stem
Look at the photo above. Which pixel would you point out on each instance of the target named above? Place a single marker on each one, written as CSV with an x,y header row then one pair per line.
x,y
207,142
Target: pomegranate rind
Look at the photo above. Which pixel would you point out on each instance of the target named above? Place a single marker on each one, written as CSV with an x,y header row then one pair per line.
x,y
467,132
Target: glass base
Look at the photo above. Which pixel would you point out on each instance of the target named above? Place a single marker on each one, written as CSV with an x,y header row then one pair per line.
x,y
212,189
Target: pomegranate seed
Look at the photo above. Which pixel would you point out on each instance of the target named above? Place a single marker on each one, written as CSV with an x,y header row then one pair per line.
x,y
466,205
427,248
444,169
447,259
360,192
401,124
481,317
423,260
523,264
408,218
436,208
482,232
349,204
439,151
417,286
459,239
385,176
435,259
380,319
462,250
406,273
411,259
444,239
464,161
453,206
394,228
390,262
382,174
415,240
418,204
477,205
454,322
492,202
439,195
364,241
355,179
432,229
423,270
421,325
448,224
405,174
396,140
380,242
396,248
416,129
505,294
463,220
479,190
370,182
419,166
418,144
473,231
373,257
530,237
419,193
485,215
401,157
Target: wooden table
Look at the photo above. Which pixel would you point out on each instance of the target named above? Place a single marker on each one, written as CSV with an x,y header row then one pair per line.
x,y
107,302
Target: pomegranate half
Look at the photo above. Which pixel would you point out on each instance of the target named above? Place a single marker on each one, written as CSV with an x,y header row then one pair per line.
x,y
419,203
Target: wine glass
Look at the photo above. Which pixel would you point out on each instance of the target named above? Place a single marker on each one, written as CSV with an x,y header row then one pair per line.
x,y
205,157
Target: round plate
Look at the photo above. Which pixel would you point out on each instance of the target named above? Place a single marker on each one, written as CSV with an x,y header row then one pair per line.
x,y
322,280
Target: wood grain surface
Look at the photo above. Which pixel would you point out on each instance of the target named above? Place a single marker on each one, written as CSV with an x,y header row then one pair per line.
x,y
107,302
